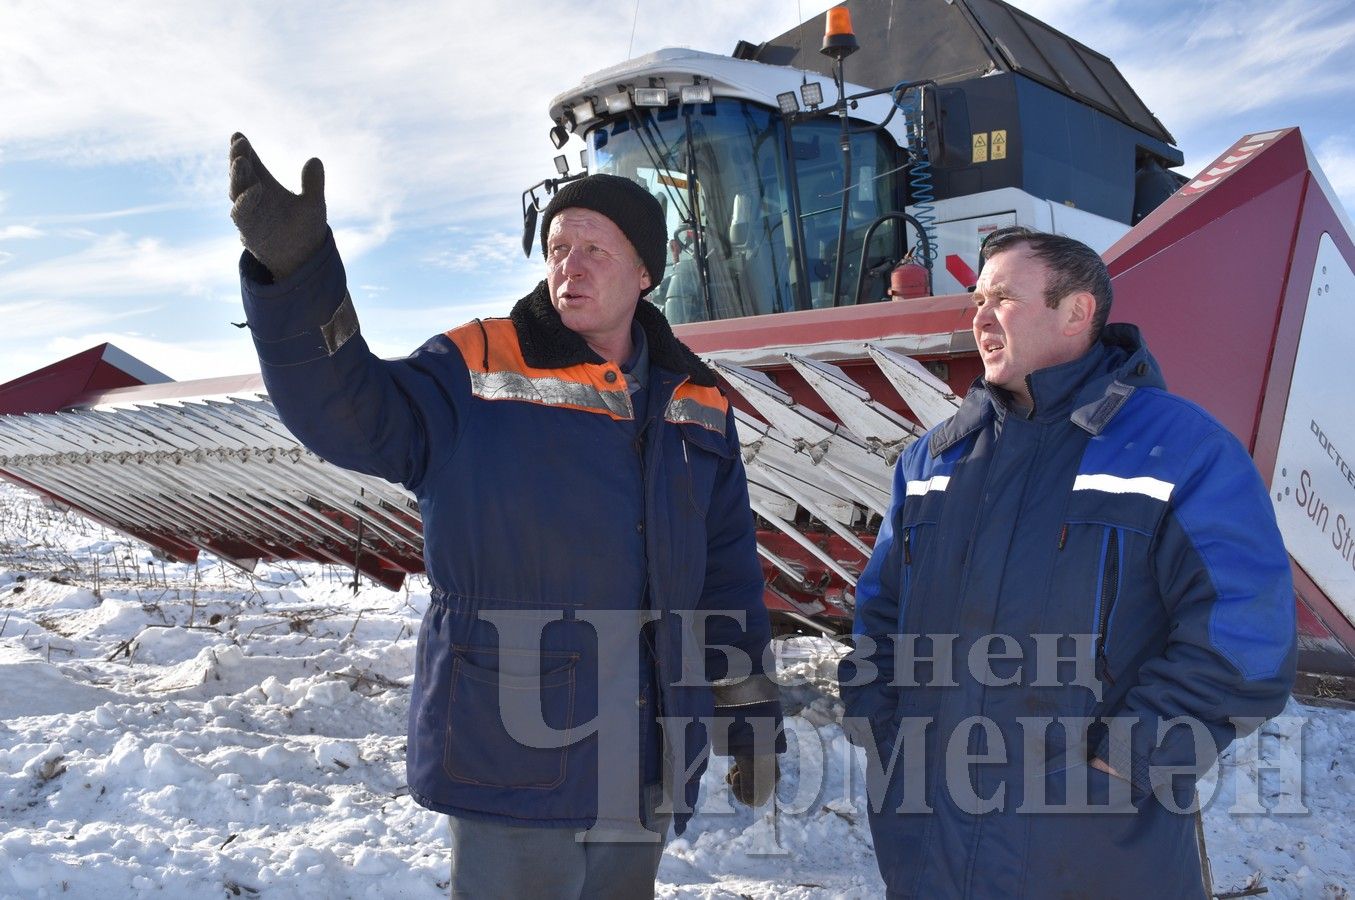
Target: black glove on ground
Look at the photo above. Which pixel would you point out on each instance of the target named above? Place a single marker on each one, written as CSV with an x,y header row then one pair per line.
x,y
753,778
281,229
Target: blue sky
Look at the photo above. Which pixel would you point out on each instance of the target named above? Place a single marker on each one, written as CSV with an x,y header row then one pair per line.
x,y
431,119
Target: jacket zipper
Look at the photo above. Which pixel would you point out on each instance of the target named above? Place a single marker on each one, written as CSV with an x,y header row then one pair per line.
x,y
907,574
1110,589
660,670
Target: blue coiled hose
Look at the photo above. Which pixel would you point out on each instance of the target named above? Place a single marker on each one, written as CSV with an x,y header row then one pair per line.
x,y
919,173
920,186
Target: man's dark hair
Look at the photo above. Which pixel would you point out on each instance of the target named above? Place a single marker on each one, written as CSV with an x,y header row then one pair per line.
x,y
1073,266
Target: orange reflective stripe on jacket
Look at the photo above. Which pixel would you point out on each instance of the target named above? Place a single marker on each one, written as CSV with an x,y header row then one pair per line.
x,y
696,405
498,372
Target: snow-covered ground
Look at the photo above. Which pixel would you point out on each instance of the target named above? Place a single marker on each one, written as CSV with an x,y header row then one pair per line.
x,y
198,732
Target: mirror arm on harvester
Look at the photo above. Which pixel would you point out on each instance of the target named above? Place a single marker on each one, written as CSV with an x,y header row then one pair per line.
x,y
531,206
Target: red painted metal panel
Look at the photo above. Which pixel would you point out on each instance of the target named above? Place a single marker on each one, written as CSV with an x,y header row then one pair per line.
x,y
946,315
821,592
67,382
1326,639
1218,278
1316,219
106,375
1208,300
1201,201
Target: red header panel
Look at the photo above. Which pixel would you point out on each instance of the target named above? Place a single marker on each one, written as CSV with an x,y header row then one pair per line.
x,y
68,382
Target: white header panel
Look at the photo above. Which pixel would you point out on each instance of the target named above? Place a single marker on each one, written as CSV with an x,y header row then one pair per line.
x,y
1314,483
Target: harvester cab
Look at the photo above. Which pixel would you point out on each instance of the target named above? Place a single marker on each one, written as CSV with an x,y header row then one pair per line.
x,y
788,187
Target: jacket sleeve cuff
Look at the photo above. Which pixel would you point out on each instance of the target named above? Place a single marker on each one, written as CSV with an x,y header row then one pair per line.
x,y
306,316
735,692
754,704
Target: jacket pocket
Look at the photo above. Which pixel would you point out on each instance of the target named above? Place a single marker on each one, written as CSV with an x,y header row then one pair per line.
x,y
702,453
914,541
917,678
479,747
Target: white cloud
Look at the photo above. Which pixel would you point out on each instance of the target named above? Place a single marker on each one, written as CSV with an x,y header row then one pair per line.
x,y
1336,156
354,241
19,232
121,265
424,116
1198,63
108,214
495,252
420,111
32,322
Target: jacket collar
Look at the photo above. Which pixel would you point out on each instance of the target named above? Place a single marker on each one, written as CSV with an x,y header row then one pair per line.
x,y
974,413
1088,391
1131,367
1055,391
548,344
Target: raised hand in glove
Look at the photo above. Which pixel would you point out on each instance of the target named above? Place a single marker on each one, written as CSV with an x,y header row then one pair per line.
x,y
753,778
281,229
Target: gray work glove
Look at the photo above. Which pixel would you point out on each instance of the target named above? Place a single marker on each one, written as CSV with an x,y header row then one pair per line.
x,y
281,229
752,779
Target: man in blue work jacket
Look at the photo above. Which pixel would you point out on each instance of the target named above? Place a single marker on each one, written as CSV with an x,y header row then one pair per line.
x,y
596,615
1078,598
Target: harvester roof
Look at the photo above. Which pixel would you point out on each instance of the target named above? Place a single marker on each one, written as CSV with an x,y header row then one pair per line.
x,y
955,40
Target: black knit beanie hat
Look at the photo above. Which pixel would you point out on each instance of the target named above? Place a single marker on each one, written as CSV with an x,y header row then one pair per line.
x,y
632,208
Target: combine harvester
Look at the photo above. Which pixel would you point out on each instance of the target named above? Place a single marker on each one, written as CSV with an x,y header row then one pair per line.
x,y
824,235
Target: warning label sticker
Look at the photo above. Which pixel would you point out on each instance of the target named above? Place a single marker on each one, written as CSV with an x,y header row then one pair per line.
x,y
999,144
980,146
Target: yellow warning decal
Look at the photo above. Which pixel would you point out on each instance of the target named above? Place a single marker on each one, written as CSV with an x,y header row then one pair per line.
x,y
980,146
999,144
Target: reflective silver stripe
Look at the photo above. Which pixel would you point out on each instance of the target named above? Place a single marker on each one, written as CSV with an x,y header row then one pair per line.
x,y
935,483
341,326
685,409
1114,484
745,691
550,391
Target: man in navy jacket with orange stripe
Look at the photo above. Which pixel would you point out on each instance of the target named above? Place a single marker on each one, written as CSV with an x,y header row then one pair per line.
x,y
596,618
1079,597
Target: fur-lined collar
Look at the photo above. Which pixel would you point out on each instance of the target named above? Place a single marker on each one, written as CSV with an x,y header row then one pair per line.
x,y
547,344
